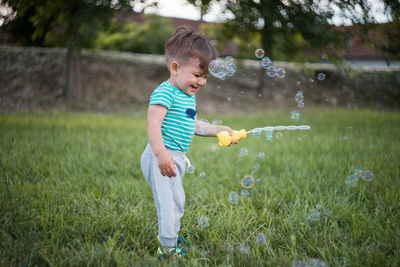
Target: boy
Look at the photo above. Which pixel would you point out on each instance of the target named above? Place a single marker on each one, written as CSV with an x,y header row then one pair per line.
x,y
171,124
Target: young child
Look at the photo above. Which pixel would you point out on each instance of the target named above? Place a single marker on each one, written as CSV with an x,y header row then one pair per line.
x,y
171,124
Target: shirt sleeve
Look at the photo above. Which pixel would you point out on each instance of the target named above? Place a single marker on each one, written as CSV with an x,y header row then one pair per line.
x,y
162,96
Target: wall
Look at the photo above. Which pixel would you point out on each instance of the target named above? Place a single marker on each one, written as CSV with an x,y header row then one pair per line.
x,y
34,78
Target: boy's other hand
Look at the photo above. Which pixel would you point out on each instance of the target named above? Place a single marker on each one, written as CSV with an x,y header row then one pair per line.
x,y
166,164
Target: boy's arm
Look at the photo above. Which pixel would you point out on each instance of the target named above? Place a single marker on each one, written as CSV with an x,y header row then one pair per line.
x,y
155,118
206,129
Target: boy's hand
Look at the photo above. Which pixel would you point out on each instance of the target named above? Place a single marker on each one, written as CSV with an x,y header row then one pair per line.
x,y
166,164
230,131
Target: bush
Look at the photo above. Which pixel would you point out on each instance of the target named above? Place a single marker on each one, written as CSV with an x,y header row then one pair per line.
x,y
148,37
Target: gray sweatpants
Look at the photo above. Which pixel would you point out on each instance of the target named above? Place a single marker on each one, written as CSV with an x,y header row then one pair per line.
x,y
167,192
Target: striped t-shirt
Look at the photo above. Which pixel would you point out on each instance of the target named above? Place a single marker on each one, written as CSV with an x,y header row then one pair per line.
x,y
180,121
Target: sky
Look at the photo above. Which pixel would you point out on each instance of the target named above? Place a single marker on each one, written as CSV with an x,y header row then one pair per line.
x,y
181,9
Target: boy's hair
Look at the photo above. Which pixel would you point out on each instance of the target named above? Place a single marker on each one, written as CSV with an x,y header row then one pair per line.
x,y
186,44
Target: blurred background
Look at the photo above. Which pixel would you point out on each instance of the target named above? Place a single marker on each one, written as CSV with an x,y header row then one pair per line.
x,y
107,55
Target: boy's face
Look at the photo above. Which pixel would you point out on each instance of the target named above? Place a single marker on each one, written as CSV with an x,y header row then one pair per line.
x,y
188,77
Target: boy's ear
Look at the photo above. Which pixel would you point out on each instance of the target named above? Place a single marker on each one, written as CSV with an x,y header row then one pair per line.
x,y
173,67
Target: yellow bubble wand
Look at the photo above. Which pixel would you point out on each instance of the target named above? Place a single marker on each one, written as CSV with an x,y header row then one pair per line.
x,y
225,139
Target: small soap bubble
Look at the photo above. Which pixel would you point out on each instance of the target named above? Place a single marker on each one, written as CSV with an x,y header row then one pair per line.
x,y
321,76
247,181
358,172
203,222
295,115
215,122
351,180
265,62
345,137
245,193
257,134
231,69
271,71
298,83
204,253
279,135
244,248
260,239
233,198
202,174
243,152
368,176
314,215
229,59
213,147
229,99
256,166
300,104
261,155
230,248
259,53
299,96
269,137
280,73
318,206
190,169
311,80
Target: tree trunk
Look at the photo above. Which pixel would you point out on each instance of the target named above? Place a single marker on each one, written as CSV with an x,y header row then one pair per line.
x,y
73,79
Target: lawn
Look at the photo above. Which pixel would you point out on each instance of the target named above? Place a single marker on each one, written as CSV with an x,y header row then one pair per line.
x,y
73,194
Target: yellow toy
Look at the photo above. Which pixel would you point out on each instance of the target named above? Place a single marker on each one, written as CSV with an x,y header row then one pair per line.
x,y
225,139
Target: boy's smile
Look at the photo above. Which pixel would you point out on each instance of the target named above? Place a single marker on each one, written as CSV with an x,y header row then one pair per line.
x,y
188,77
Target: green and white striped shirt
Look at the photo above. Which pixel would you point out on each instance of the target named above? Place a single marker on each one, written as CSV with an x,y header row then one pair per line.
x,y
180,121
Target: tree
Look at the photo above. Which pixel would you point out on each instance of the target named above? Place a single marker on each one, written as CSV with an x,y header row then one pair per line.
x,y
70,23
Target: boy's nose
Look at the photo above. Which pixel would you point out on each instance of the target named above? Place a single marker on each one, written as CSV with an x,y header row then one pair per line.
x,y
202,81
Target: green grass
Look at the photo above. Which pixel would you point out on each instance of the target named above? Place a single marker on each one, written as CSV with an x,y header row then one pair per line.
x,y
73,194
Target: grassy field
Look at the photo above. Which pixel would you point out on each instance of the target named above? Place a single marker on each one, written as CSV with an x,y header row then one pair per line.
x,y
73,194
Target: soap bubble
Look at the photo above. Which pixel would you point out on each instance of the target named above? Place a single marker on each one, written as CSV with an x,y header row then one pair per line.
x,y
202,174
233,198
265,62
279,135
259,53
245,193
231,69
243,152
229,59
247,181
229,99
314,215
298,83
318,206
368,176
358,172
256,166
257,134
261,155
280,73
269,137
321,76
244,248
190,169
260,239
204,253
311,80
230,248
300,104
295,115
271,71
299,96
203,222
351,180
218,68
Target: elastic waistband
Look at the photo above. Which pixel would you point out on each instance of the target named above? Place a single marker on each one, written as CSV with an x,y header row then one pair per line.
x,y
174,153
